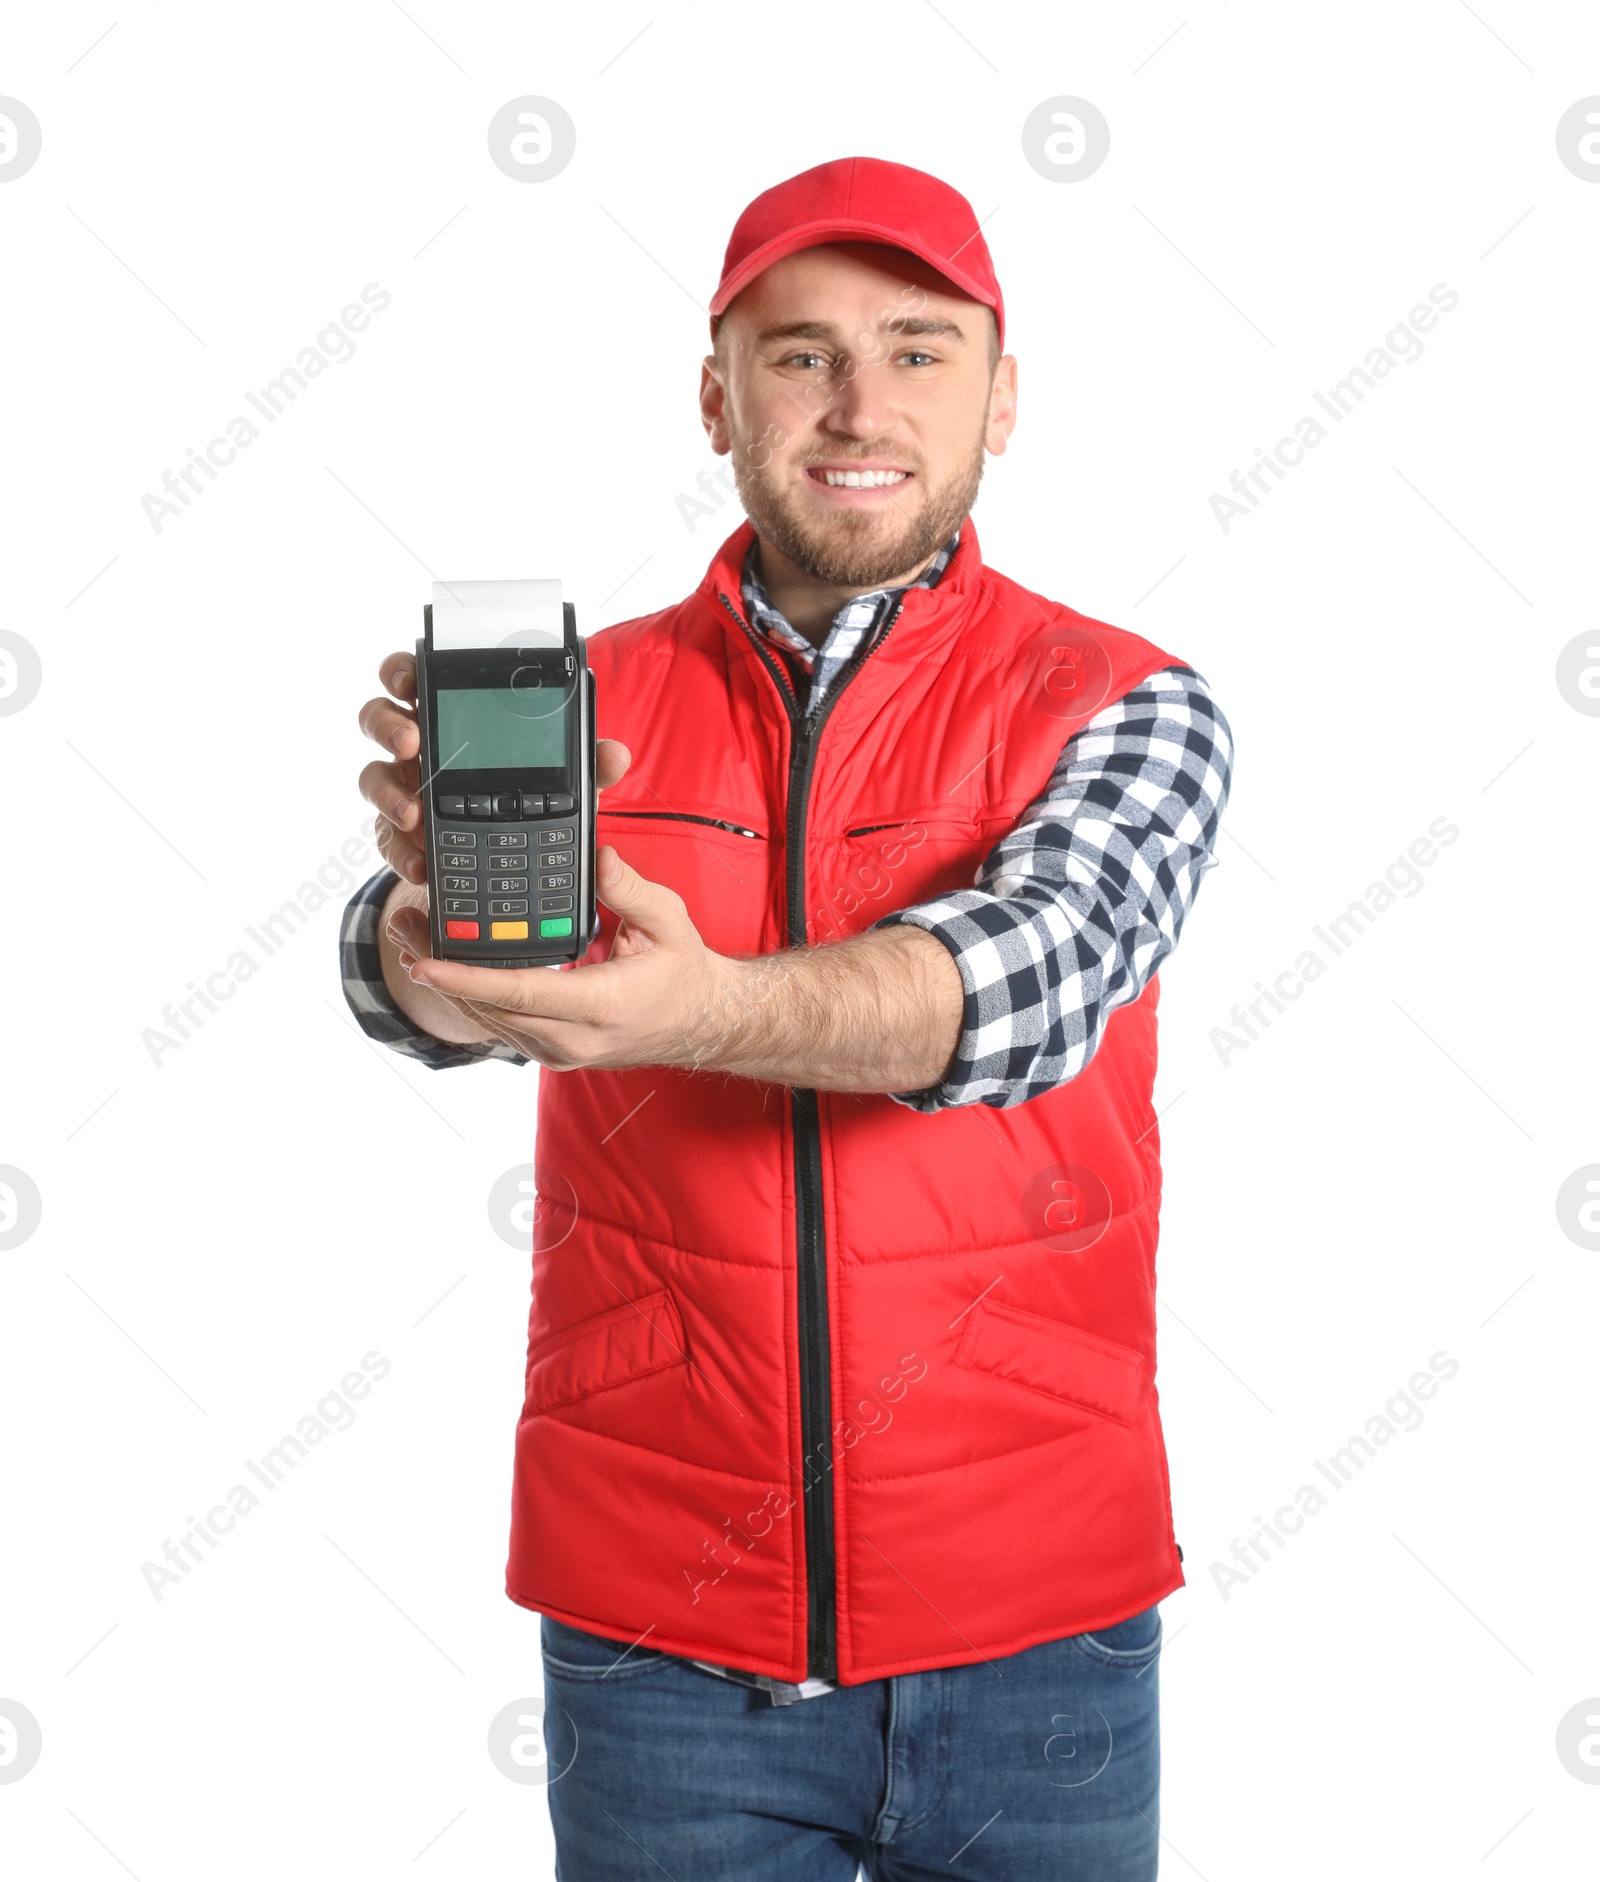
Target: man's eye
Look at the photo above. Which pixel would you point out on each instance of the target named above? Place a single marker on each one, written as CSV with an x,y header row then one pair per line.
x,y
808,362
913,358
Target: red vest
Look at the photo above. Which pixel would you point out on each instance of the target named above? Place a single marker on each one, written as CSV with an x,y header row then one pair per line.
x,y
817,1383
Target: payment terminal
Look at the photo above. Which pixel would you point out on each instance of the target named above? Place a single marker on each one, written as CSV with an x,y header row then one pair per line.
x,y
505,705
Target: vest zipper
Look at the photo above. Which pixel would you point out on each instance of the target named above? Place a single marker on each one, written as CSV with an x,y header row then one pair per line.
x,y
811,1252
685,816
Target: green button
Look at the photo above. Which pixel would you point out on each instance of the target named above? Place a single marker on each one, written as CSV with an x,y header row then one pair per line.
x,y
555,924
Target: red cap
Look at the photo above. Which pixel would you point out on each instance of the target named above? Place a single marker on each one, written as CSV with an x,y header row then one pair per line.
x,y
863,199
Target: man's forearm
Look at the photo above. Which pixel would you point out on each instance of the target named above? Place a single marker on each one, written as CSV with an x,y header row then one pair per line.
x,y
879,1012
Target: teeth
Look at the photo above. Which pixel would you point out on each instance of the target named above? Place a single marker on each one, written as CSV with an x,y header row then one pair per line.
x,y
862,480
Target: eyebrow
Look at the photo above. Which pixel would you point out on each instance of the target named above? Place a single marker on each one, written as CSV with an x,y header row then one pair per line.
x,y
918,326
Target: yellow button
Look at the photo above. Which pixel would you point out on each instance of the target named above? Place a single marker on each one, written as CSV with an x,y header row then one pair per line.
x,y
508,930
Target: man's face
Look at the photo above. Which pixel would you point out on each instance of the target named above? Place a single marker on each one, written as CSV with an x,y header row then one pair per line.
x,y
853,387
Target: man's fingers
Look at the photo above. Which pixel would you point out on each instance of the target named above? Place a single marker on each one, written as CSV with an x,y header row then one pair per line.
x,y
611,760
535,993
398,675
408,928
391,787
391,726
649,908
387,790
400,853
499,997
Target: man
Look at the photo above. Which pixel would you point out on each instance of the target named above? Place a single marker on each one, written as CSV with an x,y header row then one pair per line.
x,y
840,1483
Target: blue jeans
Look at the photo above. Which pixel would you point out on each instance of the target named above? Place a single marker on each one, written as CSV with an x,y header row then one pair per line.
x,y
1042,1764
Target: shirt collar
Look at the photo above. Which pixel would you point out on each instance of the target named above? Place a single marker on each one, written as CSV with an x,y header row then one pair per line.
x,y
860,614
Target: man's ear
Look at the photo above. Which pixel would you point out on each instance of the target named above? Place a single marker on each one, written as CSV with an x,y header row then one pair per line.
x,y
713,406
1002,406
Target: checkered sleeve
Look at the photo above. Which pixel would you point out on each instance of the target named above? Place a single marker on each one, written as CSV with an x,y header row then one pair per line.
x,y
1075,909
361,970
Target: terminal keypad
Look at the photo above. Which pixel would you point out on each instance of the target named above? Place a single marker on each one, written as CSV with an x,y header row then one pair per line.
x,y
498,859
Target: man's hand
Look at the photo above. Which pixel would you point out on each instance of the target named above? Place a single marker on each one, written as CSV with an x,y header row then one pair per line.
x,y
657,1000
879,1012
392,786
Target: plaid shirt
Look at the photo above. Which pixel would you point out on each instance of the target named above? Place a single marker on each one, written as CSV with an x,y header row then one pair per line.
x,y
1068,918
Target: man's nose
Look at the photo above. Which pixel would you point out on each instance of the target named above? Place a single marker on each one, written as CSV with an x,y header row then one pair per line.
x,y
862,405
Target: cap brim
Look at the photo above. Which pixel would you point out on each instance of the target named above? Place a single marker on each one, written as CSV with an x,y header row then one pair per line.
x,y
815,234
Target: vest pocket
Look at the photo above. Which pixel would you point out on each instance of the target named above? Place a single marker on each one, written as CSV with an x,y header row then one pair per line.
x,y
1048,1356
682,816
614,1348
885,862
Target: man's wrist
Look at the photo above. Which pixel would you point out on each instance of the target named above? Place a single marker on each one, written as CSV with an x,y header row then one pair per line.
x,y
402,894
734,990
437,1015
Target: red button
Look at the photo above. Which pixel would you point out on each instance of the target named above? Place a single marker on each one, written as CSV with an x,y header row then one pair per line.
x,y
461,930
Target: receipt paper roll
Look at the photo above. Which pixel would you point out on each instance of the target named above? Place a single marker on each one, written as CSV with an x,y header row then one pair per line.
x,y
497,614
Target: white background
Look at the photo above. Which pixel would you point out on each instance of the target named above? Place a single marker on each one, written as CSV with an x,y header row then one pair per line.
x,y
226,1233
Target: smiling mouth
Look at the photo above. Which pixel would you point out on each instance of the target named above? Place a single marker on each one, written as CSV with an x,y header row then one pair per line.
x,y
833,477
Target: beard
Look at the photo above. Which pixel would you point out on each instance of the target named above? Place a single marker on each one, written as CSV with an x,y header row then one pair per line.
x,y
856,549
